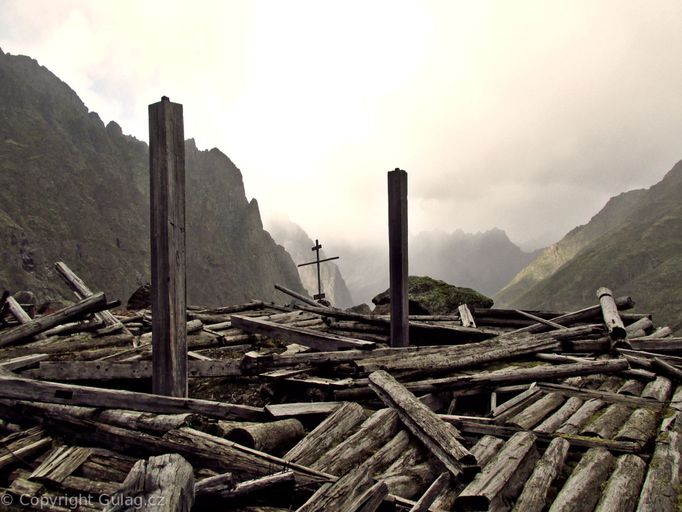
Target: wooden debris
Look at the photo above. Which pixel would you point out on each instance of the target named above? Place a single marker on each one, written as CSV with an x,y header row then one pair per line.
x,y
536,489
622,489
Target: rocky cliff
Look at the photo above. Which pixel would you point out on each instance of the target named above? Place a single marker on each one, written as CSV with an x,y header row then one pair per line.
x,y
75,190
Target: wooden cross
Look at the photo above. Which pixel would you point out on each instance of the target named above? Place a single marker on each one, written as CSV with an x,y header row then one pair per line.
x,y
319,296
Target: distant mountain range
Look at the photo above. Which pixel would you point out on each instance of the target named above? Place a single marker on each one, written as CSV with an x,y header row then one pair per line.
x,y
633,245
299,245
482,261
74,190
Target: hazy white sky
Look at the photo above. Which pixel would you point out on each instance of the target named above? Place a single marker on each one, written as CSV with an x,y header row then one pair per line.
x,y
525,115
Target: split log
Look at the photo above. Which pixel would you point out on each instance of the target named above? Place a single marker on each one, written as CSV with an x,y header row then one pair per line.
x,y
660,491
622,489
373,433
313,339
609,309
336,427
220,486
658,389
533,498
441,439
268,437
581,491
501,480
431,493
161,484
91,304
531,416
26,389
465,316
609,422
60,463
555,420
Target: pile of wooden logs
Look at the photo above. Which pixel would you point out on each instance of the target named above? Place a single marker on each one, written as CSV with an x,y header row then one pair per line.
x,y
488,409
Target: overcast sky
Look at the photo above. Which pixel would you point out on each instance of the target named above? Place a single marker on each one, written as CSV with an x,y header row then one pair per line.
x,y
522,115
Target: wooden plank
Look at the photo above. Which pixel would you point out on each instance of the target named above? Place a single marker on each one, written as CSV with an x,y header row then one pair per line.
x,y
94,303
164,483
314,339
70,394
167,204
398,256
440,438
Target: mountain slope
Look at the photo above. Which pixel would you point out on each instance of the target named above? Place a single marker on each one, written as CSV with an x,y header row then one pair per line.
x,y
641,256
298,244
72,189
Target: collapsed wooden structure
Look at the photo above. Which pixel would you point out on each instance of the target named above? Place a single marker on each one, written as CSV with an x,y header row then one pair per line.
x,y
307,408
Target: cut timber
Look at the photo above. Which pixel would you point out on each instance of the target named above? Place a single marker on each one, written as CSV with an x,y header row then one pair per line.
x,y
668,370
299,296
576,421
70,394
440,438
622,489
501,480
82,291
370,500
581,491
608,423
658,389
555,420
609,309
268,437
606,396
639,428
301,409
16,447
465,316
164,483
219,486
60,464
91,304
336,427
532,415
22,316
660,492
314,339
431,493
534,495
214,485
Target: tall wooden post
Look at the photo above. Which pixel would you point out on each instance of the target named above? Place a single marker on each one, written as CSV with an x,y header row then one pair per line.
x,y
397,253
167,197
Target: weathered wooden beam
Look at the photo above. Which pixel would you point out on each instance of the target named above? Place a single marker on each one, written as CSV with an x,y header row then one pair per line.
x,y
270,436
18,312
91,304
440,438
434,490
609,310
465,316
164,483
314,339
60,463
70,394
606,396
370,500
301,297
167,207
398,256
220,486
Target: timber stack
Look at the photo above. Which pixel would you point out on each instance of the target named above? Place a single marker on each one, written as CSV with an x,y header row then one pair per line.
x,y
304,407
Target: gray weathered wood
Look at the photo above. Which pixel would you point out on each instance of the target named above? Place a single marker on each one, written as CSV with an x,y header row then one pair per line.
x,y
556,419
60,463
465,316
622,490
441,439
91,304
167,207
658,389
21,315
370,500
398,257
219,486
609,309
299,296
535,492
431,493
268,437
164,483
640,427
533,414
608,422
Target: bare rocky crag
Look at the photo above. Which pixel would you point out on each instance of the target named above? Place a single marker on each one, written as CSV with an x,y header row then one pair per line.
x,y
74,190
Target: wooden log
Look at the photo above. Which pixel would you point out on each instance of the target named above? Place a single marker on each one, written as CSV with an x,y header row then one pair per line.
x,y
18,446
314,339
609,310
631,387
555,420
441,440
298,296
82,291
674,374
164,483
622,490
268,437
60,463
397,249
642,325
213,485
535,492
26,389
91,304
609,422
581,490
579,418
168,258
660,491
606,396
21,362
465,316
222,486
669,346
373,433
22,316
501,480
658,389
431,493
370,500
336,427
301,409
531,416
516,404
549,323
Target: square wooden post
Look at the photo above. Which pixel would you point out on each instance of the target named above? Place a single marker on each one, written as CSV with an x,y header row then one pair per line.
x,y
397,253
167,198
